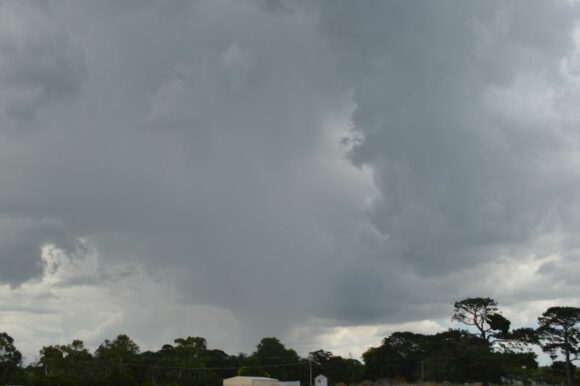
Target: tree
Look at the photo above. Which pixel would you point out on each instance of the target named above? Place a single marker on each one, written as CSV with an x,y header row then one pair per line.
x,y
456,356
71,360
270,351
492,327
52,360
251,366
399,356
336,368
189,352
559,334
224,363
78,361
10,357
484,315
113,354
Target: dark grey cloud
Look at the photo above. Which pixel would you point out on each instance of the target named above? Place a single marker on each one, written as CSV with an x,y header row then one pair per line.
x,y
277,6
292,160
41,64
196,147
462,177
21,243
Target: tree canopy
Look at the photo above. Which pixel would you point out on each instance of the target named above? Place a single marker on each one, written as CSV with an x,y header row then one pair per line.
x,y
559,334
484,315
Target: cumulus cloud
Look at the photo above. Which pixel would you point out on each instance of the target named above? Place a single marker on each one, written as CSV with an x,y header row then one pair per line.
x,y
21,243
59,307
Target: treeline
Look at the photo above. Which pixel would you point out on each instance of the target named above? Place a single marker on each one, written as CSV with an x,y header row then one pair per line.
x,y
485,350
188,361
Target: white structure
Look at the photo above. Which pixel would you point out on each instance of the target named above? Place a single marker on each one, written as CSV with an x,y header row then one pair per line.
x,y
257,381
250,381
321,380
289,383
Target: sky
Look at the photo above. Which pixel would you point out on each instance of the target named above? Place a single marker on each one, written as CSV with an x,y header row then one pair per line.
x,y
326,171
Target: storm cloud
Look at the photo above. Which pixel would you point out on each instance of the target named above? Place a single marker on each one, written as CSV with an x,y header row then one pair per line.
x,y
284,167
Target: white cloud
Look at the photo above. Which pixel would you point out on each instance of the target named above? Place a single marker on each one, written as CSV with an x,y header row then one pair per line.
x,y
79,299
349,341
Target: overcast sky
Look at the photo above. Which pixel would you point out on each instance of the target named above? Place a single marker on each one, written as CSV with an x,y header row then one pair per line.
x,y
325,172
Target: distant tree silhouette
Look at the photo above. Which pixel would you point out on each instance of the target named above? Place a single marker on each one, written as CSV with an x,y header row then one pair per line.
x,y
559,334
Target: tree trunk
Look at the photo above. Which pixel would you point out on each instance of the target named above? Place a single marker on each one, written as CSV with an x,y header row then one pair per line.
x,y
485,380
569,381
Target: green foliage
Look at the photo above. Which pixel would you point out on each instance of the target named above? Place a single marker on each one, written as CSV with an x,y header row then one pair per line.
x,y
53,380
558,330
558,333
52,360
114,359
336,368
455,356
399,356
274,356
497,322
484,315
10,359
500,352
72,360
